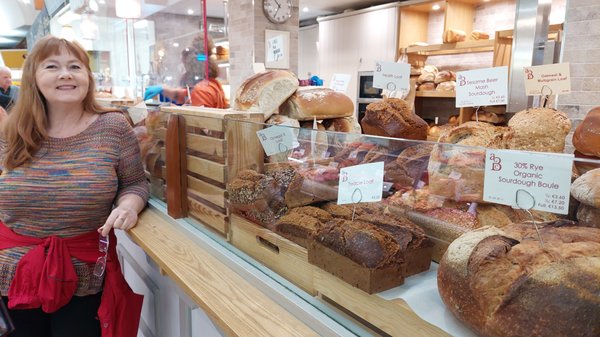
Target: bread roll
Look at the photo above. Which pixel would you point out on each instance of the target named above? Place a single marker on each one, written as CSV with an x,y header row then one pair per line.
x,y
266,91
346,125
588,216
479,35
426,77
488,117
454,35
318,102
504,283
393,118
446,86
586,138
586,189
427,86
539,129
444,76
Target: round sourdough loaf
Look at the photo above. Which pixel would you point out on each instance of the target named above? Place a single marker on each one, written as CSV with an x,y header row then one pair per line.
x,y
586,189
586,138
504,283
539,129
393,117
266,91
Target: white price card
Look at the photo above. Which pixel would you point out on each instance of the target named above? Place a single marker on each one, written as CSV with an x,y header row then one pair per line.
x,y
276,139
392,76
339,82
543,177
549,79
482,87
360,183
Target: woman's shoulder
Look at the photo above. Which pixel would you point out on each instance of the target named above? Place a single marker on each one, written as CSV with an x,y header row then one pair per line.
x,y
114,119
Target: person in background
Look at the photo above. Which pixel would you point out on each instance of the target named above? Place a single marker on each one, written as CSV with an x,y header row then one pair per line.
x,y
204,89
71,173
8,91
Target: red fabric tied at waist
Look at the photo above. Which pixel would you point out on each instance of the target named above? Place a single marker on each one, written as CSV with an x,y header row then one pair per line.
x,y
47,280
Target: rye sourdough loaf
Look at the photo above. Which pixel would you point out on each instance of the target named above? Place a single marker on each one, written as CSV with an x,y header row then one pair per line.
x,y
539,129
504,283
393,117
266,91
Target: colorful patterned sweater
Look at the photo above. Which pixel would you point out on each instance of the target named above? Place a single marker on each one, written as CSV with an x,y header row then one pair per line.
x,y
69,188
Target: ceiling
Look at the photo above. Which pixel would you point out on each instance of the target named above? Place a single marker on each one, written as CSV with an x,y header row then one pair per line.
x,y
16,16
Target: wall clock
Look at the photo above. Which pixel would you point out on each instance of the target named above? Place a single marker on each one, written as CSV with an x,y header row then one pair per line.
x,y
277,11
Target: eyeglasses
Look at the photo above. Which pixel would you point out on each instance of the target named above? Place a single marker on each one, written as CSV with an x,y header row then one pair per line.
x,y
101,262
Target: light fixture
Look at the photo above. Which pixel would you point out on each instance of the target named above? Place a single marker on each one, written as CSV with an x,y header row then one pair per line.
x,y
88,27
175,44
190,11
128,9
435,7
140,24
67,32
26,2
305,9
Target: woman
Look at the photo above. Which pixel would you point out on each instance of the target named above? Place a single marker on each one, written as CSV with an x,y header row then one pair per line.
x,y
206,90
70,170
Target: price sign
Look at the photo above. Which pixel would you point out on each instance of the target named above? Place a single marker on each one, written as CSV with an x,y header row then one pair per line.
x,y
545,177
392,76
549,79
339,82
360,183
482,87
276,139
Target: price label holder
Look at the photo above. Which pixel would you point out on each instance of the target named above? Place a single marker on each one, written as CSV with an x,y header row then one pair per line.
x,y
526,201
339,82
545,177
548,79
481,87
360,183
276,139
392,76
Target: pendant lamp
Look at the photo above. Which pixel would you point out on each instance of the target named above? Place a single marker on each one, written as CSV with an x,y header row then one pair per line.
x,y
128,9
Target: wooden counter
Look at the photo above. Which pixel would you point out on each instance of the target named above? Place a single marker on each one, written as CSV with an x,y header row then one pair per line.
x,y
236,306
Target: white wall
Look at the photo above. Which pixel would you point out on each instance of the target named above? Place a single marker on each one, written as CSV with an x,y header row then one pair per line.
x,y
308,52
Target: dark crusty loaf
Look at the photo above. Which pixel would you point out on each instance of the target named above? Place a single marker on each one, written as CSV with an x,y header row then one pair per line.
x,y
409,166
301,223
393,117
504,283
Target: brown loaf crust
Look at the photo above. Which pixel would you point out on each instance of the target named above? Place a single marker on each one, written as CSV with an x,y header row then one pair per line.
x,y
588,216
502,282
539,129
318,102
586,138
454,35
426,77
479,35
445,76
409,166
393,118
446,86
456,217
586,189
427,86
346,124
266,91
301,223
488,117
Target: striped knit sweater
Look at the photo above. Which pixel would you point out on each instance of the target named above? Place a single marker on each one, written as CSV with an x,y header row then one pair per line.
x,y
69,188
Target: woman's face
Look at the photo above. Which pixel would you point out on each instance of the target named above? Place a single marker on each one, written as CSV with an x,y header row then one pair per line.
x,y
62,79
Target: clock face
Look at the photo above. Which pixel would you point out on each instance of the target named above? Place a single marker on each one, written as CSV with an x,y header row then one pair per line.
x,y
277,11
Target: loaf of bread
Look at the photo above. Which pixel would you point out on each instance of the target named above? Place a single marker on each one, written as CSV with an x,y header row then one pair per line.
x,y
505,283
479,35
454,35
586,189
488,117
426,77
317,102
588,216
427,86
539,129
393,118
444,76
446,86
266,91
457,172
586,138
301,224
410,166
345,125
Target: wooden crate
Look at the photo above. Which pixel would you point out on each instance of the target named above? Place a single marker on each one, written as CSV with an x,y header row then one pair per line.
x,y
274,251
155,160
214,144
394,317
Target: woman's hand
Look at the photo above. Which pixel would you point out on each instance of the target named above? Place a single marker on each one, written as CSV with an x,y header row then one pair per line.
x,y
125,215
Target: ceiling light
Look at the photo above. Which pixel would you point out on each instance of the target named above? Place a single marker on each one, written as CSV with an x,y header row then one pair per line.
x,y
175,44
102,2
88,27
435,7
128,9
27,2
140,24
67,32
190,11
305,9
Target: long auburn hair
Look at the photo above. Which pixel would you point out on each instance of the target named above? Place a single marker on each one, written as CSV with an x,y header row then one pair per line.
x,y
25,129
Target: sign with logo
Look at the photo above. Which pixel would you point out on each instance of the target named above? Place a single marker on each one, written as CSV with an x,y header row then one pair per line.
x,y
276,139
339,82
392,76
360,183
549,79
482,87
540,180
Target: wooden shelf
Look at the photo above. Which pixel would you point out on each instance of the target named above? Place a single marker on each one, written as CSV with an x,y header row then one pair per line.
x,y
452,48
436,93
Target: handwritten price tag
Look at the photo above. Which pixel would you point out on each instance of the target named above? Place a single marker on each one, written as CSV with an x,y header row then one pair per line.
x,y
482,87
545,177
276,139
339,82
549,79
360,183
392,76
